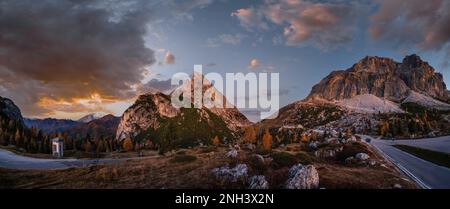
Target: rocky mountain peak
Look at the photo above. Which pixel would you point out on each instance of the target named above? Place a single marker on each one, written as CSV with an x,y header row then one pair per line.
x,y
375,64
414,61
149,109
382,77
10,110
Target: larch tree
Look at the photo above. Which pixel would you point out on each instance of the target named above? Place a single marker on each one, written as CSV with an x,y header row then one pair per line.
x,y
250,134
267,141
127,144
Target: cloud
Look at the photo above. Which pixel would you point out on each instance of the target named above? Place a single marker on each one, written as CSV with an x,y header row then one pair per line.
x,y
321,24
182,9
73,48
65,51
155,85
251,18
169,58
406,23
224,39
254,63
211,65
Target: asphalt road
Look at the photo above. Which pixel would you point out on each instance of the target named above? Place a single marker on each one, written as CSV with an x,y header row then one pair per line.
x,y
13,161
425,174
441,144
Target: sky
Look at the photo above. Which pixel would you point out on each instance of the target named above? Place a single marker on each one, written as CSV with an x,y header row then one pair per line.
x,y
69,58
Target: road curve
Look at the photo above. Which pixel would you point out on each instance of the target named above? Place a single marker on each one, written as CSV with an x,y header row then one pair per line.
x,y
440,144
13,161
426,174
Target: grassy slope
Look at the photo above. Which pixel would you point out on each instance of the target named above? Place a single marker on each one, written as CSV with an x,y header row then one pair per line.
x,y
191,168
439,158
189,128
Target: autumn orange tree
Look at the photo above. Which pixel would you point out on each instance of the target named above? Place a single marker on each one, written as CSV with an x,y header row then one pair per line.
x,y
305,138
215,141
267,141
250,134
128,144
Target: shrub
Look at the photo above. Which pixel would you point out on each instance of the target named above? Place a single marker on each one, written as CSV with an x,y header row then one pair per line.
x,y
267,141
350,150
304,158
183,159
215,141
283,159
250,134
128,144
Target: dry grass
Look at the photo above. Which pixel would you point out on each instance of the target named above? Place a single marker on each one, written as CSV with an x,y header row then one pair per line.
x,y
162,172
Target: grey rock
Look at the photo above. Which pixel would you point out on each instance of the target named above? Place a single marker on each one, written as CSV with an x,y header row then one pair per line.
x,y
362,156
251,146
302,177
258,157
226,174
325,153
312,145
232,153
350,160
258,182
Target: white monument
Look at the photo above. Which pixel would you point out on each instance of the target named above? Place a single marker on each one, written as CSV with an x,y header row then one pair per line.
x,y
58,147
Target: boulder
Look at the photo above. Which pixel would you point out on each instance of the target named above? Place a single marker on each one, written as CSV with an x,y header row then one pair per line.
x,y
325,153
332,141
350,160
362,156
226,174
259,158
302,177
232,153
397,186
312,145
251,146
258,182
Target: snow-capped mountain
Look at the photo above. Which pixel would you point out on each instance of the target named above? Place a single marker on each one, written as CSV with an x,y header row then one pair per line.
x,y
90,117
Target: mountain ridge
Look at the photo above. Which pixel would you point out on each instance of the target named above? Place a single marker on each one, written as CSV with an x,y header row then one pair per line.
x,y
382,77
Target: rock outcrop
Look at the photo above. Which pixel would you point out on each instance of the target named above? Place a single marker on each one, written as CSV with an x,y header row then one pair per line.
x,y
144,114
303,177
10,110
226,174
258,182
382,77
155,110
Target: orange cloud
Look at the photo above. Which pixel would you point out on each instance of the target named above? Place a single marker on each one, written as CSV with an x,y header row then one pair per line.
x,y
77,107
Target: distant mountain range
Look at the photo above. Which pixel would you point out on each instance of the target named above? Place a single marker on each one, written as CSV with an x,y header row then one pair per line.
x,y
92,125
104,127
50,125
91,117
